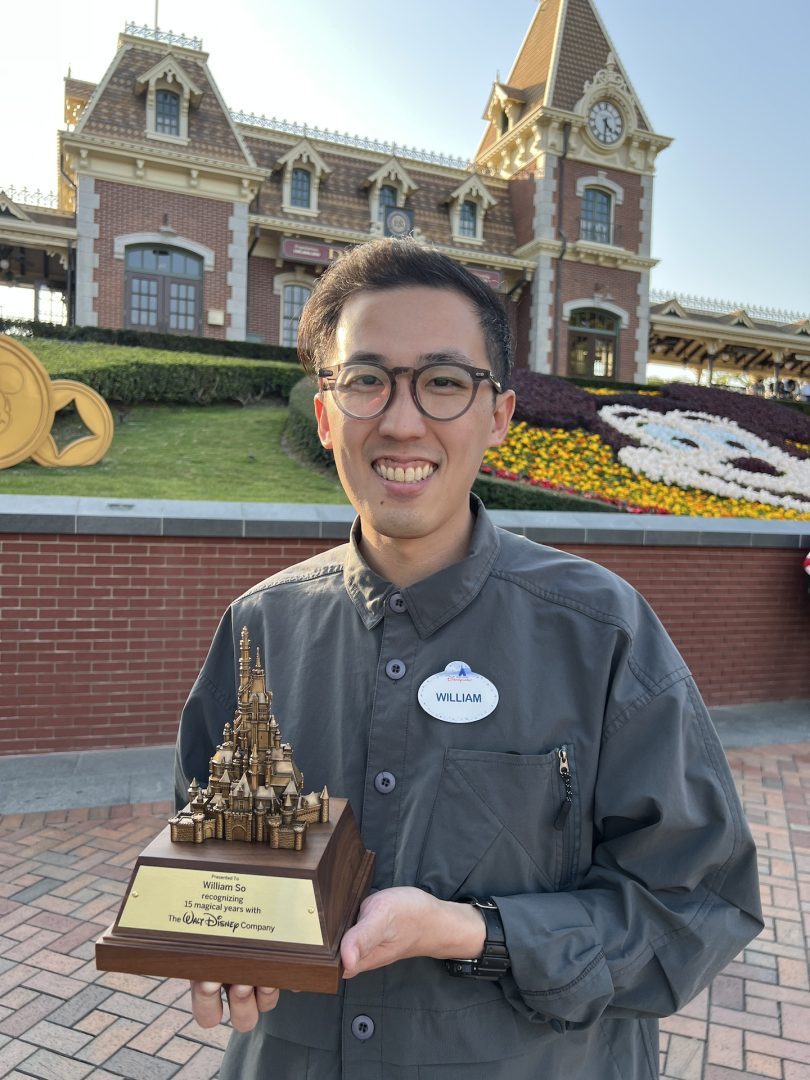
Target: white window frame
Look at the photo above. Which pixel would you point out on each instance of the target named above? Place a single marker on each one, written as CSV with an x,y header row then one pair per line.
x,y
302,156
282,282
390,174
472,190
167,75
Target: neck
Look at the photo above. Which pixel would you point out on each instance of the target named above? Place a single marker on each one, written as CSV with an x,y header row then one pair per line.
x,y
405,560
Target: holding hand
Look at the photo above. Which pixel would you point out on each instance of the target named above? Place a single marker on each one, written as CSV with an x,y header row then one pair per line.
x,y
245,1004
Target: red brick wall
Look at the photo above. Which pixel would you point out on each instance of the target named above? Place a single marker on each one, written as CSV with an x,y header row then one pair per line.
x,y
263,306
581,280
125,209
102,637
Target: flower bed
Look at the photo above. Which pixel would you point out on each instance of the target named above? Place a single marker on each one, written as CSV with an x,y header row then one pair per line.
x,y
678,450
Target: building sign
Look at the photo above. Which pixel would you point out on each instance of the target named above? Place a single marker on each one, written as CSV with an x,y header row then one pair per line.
x,y
491,277
307,251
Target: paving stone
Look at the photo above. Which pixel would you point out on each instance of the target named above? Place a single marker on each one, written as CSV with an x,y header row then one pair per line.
x,y
203,1066
109,1041
79,1006
135,1066
49,1066
65,1039
132,1007
23,1019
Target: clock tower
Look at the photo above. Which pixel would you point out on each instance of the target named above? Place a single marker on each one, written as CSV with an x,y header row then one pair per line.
x,y
568,132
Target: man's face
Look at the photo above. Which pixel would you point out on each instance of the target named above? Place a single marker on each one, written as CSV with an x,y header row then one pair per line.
x,y
429,498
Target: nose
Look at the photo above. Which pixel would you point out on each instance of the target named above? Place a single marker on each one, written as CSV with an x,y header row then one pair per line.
x,y
402,419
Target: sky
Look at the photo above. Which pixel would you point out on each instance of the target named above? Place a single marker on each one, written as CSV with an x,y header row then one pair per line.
x,y
728,80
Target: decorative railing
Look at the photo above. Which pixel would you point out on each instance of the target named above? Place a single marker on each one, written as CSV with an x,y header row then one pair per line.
x,y
165,37
359,141
712,306
32,198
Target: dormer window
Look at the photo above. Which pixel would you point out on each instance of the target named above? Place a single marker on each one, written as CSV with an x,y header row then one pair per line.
x,y
388,187
170,93
467,219
167,112
301,188
304,168
504,123
388,197
468,206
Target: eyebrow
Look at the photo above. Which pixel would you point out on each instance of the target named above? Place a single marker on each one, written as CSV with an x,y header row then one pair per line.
x,y
440,356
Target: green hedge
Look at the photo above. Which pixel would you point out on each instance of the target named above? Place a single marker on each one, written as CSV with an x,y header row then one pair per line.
x,y
301,434
26,328
134,375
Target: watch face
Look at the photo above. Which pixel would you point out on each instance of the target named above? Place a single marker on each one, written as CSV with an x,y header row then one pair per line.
x,y
605,122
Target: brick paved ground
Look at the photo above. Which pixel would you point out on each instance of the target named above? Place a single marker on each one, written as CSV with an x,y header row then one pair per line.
x,y
64,872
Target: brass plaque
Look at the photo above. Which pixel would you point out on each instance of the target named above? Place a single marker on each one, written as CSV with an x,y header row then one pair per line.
x,y
223,904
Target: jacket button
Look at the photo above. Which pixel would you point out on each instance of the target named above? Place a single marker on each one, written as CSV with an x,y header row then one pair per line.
x,y
362,1027
395,669
396,601
385,782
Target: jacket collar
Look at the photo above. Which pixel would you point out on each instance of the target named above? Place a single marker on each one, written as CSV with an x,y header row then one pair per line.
x,y
435,600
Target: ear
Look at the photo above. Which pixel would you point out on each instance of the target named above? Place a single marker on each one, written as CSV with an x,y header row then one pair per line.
x,y
324,432
502,414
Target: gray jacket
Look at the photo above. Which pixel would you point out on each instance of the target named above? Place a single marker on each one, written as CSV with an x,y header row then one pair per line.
x,y
616,912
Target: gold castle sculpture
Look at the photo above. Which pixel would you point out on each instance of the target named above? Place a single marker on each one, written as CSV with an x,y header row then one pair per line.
x,y
255,789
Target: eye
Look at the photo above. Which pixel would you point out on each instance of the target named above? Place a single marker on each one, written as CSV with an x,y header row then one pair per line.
x,y
445,380
360,379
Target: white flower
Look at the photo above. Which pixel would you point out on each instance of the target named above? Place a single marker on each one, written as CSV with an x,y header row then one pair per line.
x,y
695,449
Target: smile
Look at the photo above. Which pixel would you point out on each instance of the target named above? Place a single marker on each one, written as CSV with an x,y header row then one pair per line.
x,y
404,474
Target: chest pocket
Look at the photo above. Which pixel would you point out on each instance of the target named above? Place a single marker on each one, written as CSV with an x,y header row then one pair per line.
x,y
502,823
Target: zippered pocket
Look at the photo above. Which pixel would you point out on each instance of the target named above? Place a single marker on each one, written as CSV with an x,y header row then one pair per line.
x,y
563,822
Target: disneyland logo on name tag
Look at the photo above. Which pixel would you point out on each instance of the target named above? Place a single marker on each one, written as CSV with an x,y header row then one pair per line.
x,y
458,695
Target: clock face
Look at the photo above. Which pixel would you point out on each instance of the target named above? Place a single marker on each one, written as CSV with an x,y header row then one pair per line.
x,y
605,123
398,223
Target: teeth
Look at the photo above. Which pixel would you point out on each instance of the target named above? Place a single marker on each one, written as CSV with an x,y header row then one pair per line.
x,y
410,475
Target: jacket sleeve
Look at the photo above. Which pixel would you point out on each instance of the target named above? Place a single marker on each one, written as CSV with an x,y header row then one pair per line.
x,y
210,705
671,894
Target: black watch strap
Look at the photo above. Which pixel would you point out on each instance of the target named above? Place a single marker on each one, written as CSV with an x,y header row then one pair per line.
x,y
493,962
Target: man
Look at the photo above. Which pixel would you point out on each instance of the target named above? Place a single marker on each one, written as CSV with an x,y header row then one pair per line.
x,y
586,807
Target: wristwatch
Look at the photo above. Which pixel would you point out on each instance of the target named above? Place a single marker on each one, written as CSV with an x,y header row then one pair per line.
x,y
494,961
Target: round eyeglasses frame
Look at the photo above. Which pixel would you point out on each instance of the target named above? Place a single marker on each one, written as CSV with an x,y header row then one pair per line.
x,y
329,377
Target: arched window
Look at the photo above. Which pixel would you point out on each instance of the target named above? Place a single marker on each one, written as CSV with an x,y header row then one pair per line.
x,y
596,224
593,339
163,289
468,219
301,188
292,303
167,112
388,197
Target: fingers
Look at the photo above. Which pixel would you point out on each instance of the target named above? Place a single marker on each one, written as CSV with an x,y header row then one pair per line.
x,y
245,1004
206,1003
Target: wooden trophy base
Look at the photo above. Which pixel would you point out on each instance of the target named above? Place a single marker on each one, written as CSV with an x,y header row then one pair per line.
x,y
237,912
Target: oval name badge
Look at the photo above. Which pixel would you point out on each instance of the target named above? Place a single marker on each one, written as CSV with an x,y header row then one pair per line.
x,y
458,695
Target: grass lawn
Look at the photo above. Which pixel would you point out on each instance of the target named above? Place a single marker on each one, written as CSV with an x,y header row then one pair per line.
x,y
224,453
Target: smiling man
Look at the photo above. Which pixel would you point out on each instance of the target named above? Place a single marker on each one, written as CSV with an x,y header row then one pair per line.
x,y
561,857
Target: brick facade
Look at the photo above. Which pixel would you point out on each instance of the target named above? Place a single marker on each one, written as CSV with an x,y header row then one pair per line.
x,y
125,209
103,635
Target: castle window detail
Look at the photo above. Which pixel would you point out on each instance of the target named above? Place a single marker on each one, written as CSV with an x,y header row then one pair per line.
x,y
387,198
169,94
468,219
293,299
596,222
301,188
593,340
167,112
303,172
468,207
163,290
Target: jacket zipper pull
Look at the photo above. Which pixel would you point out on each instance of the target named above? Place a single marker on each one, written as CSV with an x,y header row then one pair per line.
x,y
565,773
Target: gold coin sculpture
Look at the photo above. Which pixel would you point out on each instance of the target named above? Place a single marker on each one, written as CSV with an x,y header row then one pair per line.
x,y
28,404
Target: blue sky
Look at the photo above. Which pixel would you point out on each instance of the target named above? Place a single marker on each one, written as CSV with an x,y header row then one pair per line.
x,y
727,79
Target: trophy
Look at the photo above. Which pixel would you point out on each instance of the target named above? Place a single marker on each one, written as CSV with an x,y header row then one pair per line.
x,y
253,881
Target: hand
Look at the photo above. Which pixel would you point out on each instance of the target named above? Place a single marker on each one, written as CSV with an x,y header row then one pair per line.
x,y
245,1004
394,924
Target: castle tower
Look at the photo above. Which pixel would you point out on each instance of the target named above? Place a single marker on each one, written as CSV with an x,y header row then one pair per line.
x,y
569,133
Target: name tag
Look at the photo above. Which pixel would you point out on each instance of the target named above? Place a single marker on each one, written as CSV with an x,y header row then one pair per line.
x,y
458,695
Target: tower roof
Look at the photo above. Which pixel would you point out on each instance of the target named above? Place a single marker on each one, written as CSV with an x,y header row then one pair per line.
x,y
564,47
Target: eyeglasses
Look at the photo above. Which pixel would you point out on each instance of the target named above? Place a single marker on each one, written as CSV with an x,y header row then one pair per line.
x,y
442,390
